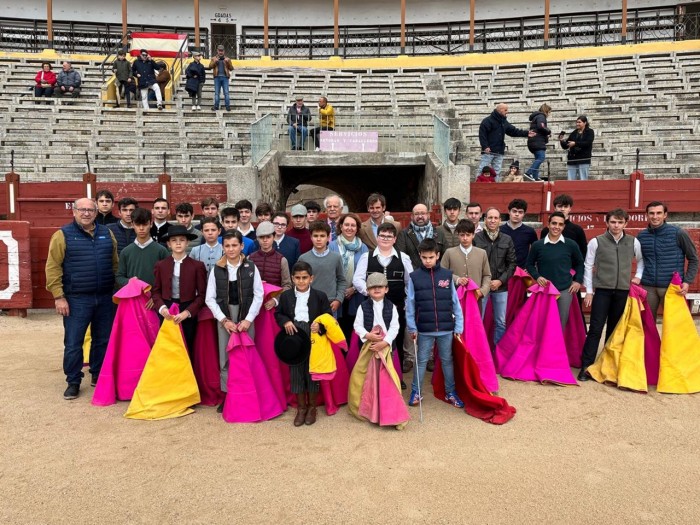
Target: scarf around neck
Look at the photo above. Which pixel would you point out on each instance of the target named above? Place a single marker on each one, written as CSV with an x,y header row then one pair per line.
x,y
347,250
422,232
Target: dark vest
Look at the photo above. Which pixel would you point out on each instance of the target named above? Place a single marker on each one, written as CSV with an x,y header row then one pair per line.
x,y
394,273
269,265
662,255
87,264
368,313
433,296
613,262
124,236
245,278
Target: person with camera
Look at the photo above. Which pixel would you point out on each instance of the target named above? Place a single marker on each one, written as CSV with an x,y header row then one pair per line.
x,y
579,145
144,69
222,67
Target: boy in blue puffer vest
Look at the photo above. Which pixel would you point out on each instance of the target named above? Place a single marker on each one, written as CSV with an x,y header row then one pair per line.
x,y
433,315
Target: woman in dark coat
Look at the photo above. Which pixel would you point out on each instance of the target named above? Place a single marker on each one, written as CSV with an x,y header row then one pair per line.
x,y
579,146
537,144
196,76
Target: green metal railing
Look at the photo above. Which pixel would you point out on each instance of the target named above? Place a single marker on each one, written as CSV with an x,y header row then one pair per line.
x,y
441,140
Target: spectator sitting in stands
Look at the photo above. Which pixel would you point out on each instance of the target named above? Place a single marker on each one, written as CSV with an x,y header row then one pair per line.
x,y
68,82
196,76
514,174
162,77
45,81
488,174
184,213
326,121
125,85
263,212
298,118
144,69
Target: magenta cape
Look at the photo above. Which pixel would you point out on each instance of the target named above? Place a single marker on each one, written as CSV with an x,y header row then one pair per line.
x,y
250,397
381,401
335,392
517,293
575,334
205,362
475,336
354,353
478,401
266,329
133,334
652,339
533,349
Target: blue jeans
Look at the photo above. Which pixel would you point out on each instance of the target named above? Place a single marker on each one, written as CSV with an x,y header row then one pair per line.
x,y
499,301
495,160
219,84
425,351
86,310
293,135
578,171
534,170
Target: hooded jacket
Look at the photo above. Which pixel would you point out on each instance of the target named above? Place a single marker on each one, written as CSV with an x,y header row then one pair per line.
x,y
538,124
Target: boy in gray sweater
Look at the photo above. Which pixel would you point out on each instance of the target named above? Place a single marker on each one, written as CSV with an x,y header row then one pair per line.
x,y
327,266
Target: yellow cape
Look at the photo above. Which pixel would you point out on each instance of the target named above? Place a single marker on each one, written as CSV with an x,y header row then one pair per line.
x,y
622,360
167,387
322,358
679,371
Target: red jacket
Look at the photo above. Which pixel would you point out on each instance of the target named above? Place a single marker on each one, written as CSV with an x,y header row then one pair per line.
x,y
49,78
193,283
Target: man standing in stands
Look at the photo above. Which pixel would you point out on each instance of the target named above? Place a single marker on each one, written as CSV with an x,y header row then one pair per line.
x,y
492,135
523,235
326,121
105,203
123,230
144,69
161,210
125,83
501,254
299,231
451,208
80,270
334,207
419,229
68,82
665,249
222,67
376,206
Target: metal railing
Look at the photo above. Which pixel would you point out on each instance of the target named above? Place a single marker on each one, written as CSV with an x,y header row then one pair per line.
x,y
261,138
441,140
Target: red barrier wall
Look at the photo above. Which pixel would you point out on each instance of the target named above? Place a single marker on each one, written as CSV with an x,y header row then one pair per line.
x,y
15,266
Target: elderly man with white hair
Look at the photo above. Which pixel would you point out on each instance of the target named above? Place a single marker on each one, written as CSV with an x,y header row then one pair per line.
x,y
333,205
80,271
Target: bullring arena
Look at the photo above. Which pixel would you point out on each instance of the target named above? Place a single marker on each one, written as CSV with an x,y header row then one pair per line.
x,y
411,84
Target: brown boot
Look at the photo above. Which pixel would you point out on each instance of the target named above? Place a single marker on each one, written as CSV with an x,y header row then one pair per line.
x,y
301,410
311,413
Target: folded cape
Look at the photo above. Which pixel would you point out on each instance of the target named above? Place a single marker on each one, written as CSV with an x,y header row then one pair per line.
x,y
478,401
679,371
167,387
133,334
250,396
533,349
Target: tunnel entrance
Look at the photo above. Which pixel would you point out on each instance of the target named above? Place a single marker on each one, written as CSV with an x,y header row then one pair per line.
x,y
399,184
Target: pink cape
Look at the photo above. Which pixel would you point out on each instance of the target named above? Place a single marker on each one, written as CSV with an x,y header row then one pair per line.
x,y
354,353
133,334
205,361
652,340
266,329
478,401
574,334
381,401
475,336
335,392
517,290
250,397
533,349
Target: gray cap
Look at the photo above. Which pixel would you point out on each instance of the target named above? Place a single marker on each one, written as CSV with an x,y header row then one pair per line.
x,y
196,54
376,279
298,97
265,228
220,47
298,209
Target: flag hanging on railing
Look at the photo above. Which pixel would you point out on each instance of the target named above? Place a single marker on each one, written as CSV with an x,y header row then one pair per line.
x,y
164,45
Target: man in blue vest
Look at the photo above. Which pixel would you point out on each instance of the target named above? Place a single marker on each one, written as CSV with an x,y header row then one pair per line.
x,y
665,249
80,270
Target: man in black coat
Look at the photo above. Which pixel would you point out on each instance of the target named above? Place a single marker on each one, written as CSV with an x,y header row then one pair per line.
x,y
492,134
144,69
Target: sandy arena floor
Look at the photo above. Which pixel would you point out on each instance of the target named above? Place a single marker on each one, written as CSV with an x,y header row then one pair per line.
x,y
588,454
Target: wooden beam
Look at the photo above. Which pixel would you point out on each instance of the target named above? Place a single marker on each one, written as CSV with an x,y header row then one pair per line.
x,y
49,23
546,24
624,21
472,11
266,36
403,26
125,25
336,30
196,25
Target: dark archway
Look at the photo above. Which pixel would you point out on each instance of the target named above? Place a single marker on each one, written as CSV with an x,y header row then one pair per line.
x,y
398,183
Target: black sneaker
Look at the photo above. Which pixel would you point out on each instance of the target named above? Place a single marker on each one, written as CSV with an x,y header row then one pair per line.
x,y
215,108
403,386
220,408
93,381
71,392
228,108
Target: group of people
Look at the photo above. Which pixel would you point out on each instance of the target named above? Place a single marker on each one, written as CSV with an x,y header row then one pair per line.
x,y
494,128
394,288
48,84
